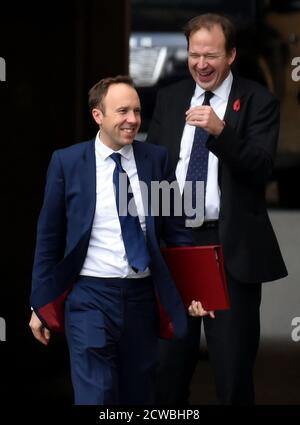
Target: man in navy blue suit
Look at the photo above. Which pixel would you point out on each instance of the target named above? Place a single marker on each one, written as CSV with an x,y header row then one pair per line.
x,y
91,275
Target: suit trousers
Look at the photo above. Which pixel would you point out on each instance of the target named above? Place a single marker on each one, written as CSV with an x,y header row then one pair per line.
x,y
112,333
232,343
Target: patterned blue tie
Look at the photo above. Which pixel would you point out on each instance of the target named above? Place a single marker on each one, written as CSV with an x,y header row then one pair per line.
x,y
132,233
198,164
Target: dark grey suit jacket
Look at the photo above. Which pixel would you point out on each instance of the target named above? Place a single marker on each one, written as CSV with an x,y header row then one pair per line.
x,y
246,149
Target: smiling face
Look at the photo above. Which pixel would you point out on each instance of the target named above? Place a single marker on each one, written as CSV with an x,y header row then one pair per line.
x,y
120,117
208,61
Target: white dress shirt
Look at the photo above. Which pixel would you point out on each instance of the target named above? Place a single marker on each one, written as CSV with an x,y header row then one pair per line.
x,y
219,103
106,256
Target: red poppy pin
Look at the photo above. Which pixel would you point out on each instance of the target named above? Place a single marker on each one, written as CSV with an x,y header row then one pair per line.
x,y
236,105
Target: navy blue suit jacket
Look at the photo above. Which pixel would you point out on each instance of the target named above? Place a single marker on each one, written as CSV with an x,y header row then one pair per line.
x,y
65,223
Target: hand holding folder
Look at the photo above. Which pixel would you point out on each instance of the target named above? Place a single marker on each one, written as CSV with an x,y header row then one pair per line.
x,y
196,309
198,272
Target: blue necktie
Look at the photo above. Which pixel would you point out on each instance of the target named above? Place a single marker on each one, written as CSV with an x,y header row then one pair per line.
x,y
132,233
198,164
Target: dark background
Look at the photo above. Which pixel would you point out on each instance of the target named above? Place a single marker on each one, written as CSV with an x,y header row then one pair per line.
x,y
54,52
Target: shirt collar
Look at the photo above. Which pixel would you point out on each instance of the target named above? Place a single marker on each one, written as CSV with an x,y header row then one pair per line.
x,y
104,151
222,91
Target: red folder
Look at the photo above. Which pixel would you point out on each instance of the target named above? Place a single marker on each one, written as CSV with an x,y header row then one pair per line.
x,y
199,275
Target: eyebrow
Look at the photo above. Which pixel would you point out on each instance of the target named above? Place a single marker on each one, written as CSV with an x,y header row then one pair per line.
x,y
137,108
207,53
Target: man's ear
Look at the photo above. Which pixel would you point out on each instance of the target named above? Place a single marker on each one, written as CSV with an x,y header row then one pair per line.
x,y
97,115
231,56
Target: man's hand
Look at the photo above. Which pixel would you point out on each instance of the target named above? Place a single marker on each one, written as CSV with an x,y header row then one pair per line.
x,y
196,309
39,331
206,118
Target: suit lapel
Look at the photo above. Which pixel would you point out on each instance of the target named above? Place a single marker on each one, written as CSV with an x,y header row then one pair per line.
x,y
235,102
87,176
232,113
143,166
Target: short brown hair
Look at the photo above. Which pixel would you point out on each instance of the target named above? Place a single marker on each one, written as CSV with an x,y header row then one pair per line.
x,y
207,21
98,92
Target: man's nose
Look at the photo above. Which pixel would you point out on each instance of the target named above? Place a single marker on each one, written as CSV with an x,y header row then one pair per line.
x,y
202,62
132,117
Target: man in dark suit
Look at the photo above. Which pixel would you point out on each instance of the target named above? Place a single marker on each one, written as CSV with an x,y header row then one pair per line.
x,y
97,271
222,129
